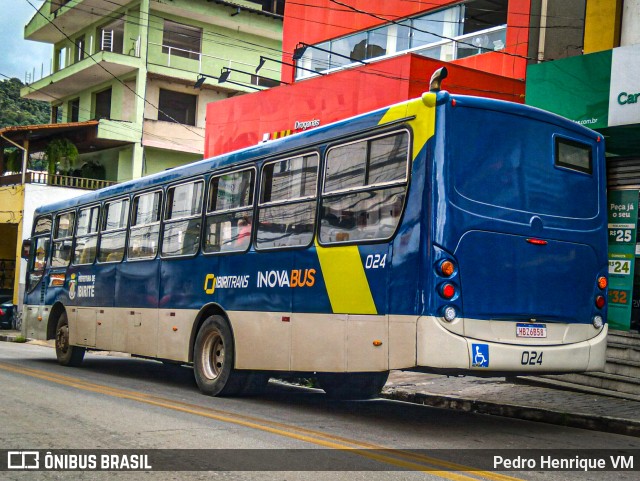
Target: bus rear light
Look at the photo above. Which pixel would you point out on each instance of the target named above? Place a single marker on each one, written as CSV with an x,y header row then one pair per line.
x,y
597,322
600,302
448,291
447,268
449,313
602,282
537,242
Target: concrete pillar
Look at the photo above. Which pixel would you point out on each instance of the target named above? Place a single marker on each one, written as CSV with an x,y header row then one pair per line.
x,y
141,90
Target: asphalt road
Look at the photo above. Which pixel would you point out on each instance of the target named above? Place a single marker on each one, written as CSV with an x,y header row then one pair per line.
x,y
116,402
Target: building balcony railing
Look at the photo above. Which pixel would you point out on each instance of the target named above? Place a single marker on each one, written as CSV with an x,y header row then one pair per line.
x,y
56,180
451,49
66,57
489,40
182,59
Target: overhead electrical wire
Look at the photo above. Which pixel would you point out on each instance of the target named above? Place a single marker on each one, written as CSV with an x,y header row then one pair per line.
x,y
344,6
99,64
124,125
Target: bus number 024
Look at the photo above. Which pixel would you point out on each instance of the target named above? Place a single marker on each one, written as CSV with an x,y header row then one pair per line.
x,y
531,358
375,261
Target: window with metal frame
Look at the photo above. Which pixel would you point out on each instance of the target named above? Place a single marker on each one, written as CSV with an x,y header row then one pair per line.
x,y
177,107
365,185
114,231
87,235
181,40
183,219
287,208
42,225
62,239
229,221
145,226
39,250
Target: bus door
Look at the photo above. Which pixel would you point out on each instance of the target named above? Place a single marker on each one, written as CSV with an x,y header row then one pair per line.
x,y
35,283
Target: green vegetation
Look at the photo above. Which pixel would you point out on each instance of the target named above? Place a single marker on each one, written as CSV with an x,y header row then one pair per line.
x,y
60,154
20,339
17,111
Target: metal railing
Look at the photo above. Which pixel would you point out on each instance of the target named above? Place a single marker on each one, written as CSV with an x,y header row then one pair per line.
x,y
56,180
200,57
467,45
105,45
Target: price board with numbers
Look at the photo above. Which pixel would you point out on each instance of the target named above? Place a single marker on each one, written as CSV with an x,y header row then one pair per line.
x,y
622,227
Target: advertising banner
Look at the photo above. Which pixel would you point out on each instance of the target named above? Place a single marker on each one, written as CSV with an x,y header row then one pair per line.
x,y
576,88
623,219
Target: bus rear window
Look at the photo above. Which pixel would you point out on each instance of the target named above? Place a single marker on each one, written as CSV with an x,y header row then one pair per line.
x,y
573,155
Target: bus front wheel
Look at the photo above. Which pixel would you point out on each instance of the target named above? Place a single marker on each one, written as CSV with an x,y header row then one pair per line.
x,y
67,355
357,385
214,358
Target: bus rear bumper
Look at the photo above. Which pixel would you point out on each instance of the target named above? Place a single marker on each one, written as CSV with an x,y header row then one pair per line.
x,y
441,349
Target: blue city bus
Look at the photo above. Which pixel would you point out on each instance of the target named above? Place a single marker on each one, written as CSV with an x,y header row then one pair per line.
x,y
447,234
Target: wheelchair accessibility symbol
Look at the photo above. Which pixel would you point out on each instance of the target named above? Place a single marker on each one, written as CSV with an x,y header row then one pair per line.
x,y
480,353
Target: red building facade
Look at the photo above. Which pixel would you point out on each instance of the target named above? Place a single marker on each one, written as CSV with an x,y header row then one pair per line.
x,y
365,54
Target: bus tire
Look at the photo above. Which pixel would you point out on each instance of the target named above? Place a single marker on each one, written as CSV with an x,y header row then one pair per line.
x,y
214,357
357,385
67,355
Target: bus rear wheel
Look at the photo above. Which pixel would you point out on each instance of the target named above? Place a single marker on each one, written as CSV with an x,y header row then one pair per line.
x,y
357,385
213,359
67,355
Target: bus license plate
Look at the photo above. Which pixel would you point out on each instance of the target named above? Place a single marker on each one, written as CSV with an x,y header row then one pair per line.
x,y
531,330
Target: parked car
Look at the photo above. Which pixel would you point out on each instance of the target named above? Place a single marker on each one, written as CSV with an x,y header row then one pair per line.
x,y
6,313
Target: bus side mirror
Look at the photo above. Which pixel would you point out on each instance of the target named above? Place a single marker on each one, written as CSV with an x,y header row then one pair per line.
x,y
26,249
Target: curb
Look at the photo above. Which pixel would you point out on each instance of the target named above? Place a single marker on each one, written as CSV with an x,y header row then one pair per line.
x,y
607,424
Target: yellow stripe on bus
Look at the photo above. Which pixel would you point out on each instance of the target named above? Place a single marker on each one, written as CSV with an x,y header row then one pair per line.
x,y
424,124
345,279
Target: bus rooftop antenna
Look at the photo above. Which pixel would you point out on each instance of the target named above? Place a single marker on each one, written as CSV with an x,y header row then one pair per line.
x,y
437,78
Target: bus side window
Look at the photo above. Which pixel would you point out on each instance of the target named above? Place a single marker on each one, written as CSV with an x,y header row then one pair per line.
x,y
230,212
364,189
114,231
183,219
287,208
62,239
145,226
41,253
87,235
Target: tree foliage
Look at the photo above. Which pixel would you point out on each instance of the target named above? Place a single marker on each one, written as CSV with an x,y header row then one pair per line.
x,y
60,154
18,111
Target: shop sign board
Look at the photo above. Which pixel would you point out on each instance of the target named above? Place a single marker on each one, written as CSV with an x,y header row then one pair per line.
x,y
596,90
624,97
623,220
576,88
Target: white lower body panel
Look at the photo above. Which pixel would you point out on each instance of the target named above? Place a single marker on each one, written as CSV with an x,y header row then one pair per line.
x,y
336,342
443,346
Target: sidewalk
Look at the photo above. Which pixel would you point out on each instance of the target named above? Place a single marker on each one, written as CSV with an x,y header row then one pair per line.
x,y
509,398
516,398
